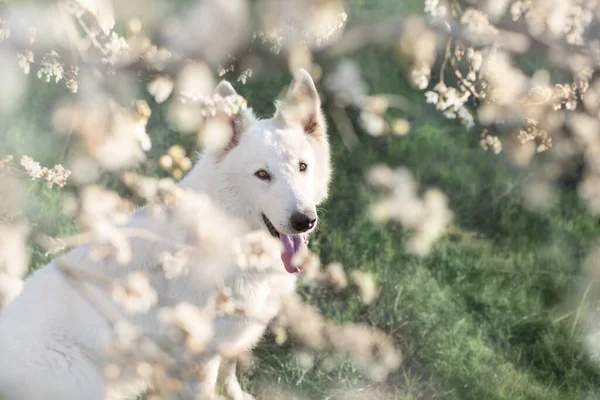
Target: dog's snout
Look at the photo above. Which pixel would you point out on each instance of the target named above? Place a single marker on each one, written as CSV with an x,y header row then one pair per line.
x,y
302,222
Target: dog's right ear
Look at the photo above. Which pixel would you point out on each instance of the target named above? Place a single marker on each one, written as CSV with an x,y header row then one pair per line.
x,y
237,123
302,106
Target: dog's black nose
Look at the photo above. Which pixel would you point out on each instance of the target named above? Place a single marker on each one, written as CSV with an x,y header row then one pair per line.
x,y
302,222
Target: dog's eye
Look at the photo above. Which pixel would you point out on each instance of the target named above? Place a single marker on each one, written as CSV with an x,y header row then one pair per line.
x,y
303,167
262,175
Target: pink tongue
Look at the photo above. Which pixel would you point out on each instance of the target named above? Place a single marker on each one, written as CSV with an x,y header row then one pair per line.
x,y
291,244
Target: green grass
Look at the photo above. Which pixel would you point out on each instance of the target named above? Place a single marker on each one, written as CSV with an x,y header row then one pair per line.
x,y
487,315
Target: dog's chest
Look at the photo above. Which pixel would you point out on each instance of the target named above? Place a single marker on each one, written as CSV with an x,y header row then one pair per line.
x,y
261,297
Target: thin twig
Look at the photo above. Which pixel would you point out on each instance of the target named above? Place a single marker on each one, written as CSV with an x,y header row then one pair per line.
x,y
344,127
580,307
445,61
397,101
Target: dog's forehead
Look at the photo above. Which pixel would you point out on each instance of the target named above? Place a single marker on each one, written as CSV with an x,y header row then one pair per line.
x,y
275,137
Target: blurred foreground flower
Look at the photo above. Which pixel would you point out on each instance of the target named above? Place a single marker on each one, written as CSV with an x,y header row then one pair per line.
x,y
134,292
113,136
371,350
175,161
426,218
13,260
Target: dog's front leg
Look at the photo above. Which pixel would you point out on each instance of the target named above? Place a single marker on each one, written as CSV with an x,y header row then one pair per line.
x,y
207,387
229,381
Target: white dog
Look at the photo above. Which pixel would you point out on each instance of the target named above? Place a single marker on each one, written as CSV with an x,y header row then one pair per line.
x,y
271,176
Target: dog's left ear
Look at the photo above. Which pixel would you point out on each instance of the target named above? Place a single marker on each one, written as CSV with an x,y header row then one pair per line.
x,y
224,89
238,122
302,106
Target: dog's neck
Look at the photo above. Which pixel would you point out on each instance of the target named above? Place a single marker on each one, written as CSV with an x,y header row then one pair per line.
x,y
206,177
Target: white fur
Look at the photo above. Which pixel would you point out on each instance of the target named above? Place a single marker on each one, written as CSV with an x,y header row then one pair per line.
x,y
52,339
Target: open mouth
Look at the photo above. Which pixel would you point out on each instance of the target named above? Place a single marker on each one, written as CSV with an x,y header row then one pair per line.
x,y
270,227
291,245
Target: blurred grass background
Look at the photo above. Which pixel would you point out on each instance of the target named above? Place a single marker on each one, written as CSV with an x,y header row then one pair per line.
x,y
488,314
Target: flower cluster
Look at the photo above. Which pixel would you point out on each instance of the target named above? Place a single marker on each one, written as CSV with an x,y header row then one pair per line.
x,y
175,264
435,8
371,116
483,76
346,84
335,276
189,324
50,67
113,136
488,141
427,218
175,161
103,212
57,175
323,21
367,288
25,60
210,106
160,88
533,132
134,292
569,21
451,102
258,250
371,350
478,25
6,161
418,46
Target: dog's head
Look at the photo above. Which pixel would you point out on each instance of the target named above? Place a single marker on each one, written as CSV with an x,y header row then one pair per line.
x,y
274,172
